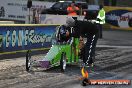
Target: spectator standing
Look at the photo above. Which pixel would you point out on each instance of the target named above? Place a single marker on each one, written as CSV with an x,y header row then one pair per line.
x,y
72,9
100,20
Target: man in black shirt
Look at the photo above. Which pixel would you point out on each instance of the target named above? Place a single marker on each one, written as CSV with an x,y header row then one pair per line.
x,y
84,29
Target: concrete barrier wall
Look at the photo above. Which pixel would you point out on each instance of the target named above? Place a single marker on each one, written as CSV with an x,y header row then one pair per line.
x,y
116,18
19,38
56,19
6,22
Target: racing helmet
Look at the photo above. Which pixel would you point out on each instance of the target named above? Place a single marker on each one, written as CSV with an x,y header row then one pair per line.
x,y
61,34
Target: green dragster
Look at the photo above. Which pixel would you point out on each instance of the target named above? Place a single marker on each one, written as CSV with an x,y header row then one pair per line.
x,y
59,54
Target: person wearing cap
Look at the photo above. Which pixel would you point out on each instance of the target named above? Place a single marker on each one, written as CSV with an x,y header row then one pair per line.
x,y
84,29
72,9
100,20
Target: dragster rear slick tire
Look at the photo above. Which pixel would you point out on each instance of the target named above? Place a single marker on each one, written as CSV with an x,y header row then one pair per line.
x,y
28,59
63,62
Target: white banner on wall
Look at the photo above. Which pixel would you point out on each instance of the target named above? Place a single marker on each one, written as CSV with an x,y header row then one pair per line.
x,y
119,17
17,9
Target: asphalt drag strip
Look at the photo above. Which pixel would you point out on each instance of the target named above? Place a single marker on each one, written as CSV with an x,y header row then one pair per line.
x,y
110,63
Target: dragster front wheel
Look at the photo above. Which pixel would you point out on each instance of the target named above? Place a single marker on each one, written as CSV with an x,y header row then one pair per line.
x,y
63,62
28,60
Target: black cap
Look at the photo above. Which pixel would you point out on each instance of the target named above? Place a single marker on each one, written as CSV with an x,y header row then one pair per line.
x,y
101,6
73,1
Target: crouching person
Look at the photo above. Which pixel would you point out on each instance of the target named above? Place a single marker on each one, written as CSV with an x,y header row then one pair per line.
x,y
88,30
